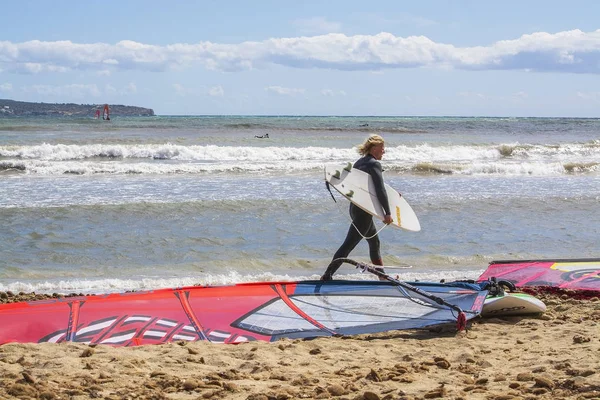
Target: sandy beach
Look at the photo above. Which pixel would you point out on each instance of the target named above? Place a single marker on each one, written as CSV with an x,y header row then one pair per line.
x,y
552,356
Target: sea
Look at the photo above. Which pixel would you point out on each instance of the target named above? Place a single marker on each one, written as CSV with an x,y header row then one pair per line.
x,y
141,203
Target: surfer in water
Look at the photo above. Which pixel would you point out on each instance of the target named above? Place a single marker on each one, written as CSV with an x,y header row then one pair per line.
x,y
362,226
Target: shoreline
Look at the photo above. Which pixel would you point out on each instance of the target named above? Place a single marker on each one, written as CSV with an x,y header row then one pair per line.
x,y
552,356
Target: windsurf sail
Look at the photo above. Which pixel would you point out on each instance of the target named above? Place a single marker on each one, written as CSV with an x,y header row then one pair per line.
x,y
461,318
574,274
106,114
239,313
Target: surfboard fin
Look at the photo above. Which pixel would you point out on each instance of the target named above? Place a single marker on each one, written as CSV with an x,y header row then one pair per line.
x,y
348,167
336,175
350,194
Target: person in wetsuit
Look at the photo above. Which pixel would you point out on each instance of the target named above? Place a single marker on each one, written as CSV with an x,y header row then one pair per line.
x,y
372,151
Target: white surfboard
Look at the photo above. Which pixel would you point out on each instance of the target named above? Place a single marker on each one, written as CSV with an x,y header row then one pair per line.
x,y
358,187
512,304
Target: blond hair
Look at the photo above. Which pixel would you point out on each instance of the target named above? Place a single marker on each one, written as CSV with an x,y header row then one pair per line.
x,y
372,141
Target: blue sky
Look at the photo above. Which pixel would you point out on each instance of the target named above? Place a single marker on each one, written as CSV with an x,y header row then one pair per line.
x,y
463,58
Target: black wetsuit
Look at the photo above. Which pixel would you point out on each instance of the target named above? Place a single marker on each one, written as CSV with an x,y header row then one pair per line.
x,y
361,220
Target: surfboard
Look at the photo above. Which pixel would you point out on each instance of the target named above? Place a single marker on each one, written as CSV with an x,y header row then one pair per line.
x,y
358,187
508,304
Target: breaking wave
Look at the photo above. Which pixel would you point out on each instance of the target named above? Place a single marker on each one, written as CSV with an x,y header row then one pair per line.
x,y
168,158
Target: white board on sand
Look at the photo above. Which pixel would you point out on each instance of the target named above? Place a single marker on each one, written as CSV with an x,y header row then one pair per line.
x,y
512,304
358,187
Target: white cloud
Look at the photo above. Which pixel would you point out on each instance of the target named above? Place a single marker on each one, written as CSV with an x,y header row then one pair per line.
x,y
77,91
520,95
110,90
472,95
36,68
317,25
131,88
331,93
593,96
216,91
570,51
6,87
284,91
180,89
66,91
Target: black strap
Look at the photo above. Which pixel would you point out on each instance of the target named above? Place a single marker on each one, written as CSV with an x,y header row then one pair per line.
x,y
329,188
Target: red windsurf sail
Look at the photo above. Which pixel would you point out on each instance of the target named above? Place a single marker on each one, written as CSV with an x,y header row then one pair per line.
x,y
575,274
232,314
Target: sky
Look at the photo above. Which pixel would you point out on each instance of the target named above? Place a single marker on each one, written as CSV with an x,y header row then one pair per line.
x,y
328,57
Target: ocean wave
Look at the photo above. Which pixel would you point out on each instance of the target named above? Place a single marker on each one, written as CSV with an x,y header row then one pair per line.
x,y
431,168
365,128
507,169
12,166
169,158
36,167
570,152
197,125
169,151
247,125
582,167
116,285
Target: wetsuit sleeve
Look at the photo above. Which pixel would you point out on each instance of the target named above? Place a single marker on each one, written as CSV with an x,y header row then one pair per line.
x,y
377,175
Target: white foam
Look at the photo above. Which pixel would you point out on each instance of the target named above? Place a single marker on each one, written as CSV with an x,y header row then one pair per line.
x,y
101,286
168,159
169,151
418,153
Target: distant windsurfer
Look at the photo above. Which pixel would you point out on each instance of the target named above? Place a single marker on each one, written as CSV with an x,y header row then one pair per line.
x,y
106,113
362,226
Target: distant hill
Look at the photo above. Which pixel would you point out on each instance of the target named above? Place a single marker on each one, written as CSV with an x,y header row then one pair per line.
x,y
22,108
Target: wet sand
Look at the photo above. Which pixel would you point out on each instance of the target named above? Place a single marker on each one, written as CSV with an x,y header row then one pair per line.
x,y
552,356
